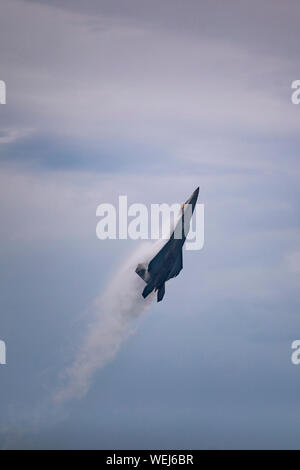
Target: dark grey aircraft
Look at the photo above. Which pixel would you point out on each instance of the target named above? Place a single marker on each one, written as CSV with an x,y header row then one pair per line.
x,y
167,263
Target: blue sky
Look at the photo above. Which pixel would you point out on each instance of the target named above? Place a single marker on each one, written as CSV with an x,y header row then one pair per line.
x,y
151,100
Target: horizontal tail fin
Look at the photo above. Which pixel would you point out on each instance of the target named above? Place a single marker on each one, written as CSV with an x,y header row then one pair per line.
x,y
148,289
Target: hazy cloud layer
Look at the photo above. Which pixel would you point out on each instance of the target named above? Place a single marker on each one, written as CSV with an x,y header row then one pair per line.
x,y
150,99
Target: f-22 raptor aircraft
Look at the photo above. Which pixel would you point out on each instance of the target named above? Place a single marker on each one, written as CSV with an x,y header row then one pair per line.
x,y
167,263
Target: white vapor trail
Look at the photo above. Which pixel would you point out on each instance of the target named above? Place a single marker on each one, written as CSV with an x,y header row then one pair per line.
x,y
109,325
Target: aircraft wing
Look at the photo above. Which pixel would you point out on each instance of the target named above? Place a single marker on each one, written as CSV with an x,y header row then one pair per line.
x,y
158,261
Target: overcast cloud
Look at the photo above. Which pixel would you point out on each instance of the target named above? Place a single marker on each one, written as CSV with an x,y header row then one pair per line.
x,y
151,100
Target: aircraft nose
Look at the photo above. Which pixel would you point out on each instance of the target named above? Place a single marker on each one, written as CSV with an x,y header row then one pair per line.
x,y
193,199
195,193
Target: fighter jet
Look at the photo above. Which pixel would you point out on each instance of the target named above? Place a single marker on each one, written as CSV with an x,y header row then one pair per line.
x,y
167,263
